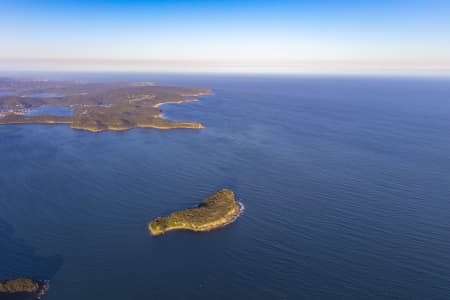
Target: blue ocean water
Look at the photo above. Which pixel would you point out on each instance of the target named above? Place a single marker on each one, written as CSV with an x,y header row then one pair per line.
x,y
52,110
346,184
44,95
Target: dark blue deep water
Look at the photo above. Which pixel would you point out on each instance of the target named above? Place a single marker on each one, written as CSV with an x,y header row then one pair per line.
x,y
346,184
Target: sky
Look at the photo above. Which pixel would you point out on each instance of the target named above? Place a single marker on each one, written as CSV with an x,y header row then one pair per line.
x,y
303,36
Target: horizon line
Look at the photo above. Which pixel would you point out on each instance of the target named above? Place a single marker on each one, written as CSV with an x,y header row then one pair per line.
x,y
7,73
383,67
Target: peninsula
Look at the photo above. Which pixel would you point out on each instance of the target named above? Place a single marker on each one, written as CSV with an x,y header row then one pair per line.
x,y
23,289
95,106
217,210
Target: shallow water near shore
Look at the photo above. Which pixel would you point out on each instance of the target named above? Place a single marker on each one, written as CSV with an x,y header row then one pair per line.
x,y
43,95
344,180
51,110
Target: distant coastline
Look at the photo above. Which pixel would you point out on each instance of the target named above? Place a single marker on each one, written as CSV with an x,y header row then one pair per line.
x,y
96,107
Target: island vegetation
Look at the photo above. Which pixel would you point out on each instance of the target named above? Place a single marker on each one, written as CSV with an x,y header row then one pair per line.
x,y
215,211
22,289
96,106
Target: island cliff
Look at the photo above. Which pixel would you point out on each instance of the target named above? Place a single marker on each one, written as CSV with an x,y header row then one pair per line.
x,y
22,289
213,212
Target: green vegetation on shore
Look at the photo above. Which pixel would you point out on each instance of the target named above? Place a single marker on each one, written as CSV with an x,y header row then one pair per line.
x,y
213,212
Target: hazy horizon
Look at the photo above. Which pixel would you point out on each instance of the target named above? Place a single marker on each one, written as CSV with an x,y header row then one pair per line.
x,y
292,37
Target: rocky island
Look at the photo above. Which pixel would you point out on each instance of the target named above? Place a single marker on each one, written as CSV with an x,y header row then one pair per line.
x,y
22,289
215,211
96,106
